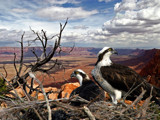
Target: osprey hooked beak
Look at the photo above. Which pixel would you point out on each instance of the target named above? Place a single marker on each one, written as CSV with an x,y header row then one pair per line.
x,y
114,52
73,75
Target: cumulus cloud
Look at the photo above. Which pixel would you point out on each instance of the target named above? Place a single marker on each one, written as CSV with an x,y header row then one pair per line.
x,y
137,22
105,0
136,17
80,27
61,13
125,5
9,37
23,10
62,1
12,38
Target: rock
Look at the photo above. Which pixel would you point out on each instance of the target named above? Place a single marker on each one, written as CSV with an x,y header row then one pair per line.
x,y
107,96
128,102
20,92
40,96
52,93
34,93
53,96
50,89
66,89
3,105
152,69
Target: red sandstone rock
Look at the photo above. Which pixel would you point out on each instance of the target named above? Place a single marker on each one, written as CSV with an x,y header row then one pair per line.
x,y
34,93
18,91
67,88
40,96
49,89
53,96
152,70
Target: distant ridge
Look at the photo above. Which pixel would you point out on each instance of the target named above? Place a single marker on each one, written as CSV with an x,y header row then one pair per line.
x,y
152,69
76,51
140,59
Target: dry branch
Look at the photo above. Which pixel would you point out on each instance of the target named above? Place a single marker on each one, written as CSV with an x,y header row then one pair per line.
x,y
142,113
44,93
42,60
135,101
88,112
20,80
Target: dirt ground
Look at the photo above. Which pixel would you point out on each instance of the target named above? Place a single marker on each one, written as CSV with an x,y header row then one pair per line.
x,y
70,63
59,76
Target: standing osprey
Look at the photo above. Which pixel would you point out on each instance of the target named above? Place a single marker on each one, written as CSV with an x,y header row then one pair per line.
x,y
118,80
88,89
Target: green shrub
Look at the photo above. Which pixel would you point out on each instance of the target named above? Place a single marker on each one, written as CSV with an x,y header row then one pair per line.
x,y
3,86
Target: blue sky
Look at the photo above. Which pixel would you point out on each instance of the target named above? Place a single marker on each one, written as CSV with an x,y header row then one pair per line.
x,y
92,23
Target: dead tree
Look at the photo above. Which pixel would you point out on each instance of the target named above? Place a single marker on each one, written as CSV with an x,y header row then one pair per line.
x,y
40,60
25,72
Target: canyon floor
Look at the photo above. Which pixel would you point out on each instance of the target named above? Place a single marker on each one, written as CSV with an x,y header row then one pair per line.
x,y
61,74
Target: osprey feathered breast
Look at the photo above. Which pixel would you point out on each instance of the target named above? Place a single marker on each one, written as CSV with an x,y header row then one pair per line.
x,y
117,79
88,89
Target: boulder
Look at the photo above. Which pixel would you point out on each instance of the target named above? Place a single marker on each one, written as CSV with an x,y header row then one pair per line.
x,y
67,88
41,96
53,96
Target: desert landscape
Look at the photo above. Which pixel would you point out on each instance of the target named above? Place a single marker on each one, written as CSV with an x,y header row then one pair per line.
x,y
83,58
58,84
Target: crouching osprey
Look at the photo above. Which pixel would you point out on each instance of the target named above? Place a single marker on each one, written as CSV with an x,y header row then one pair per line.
x,y
88,89
118,80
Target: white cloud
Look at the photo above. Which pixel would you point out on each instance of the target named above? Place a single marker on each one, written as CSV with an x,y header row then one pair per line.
x,y
125,5
142,4
135,19
23,10
151,13
9,37
80,27
105,0
61,13
62,1
136,24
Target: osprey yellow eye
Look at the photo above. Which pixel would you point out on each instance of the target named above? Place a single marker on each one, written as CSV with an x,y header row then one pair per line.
x,y
76,72
110,49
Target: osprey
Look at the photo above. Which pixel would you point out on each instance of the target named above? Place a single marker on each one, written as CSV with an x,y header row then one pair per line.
x,y
88,89
119,80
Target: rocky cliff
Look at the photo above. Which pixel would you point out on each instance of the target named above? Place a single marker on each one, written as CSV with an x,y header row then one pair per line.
x,y
140,59
152,69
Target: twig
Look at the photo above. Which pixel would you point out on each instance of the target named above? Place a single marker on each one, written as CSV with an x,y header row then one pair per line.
x,y
21,60
33,51
11,87
142,114
44,93
88,112
15,67
135,101
23,91
5,71
94,100
76,98
132,89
